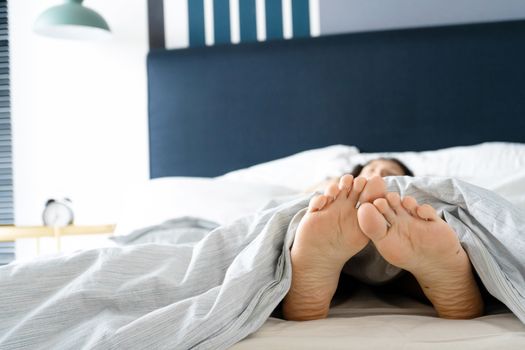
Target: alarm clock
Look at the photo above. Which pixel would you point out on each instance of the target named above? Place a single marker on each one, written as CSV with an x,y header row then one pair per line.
x,y
58,212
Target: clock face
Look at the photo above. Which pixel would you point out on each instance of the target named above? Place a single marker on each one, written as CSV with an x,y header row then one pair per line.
x,y
57,214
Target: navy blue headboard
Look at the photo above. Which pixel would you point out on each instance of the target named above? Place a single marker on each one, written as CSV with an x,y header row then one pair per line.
x,y
212,110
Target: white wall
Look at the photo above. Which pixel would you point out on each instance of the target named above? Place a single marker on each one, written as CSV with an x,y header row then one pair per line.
x,y
341,16
79,112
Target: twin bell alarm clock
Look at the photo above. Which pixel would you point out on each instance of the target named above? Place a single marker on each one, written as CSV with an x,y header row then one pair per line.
x,y
58,213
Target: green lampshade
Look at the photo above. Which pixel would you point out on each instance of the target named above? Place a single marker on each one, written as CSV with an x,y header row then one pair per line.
x,y
71,21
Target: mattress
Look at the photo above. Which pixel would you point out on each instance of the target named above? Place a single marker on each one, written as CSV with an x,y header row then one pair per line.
x,y
369,319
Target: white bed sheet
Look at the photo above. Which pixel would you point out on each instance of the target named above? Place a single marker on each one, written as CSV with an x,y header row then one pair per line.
x,y
370,321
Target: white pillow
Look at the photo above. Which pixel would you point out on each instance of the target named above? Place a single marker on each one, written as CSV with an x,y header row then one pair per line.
x,y
298,171
512,188
484,164
495,165
218,200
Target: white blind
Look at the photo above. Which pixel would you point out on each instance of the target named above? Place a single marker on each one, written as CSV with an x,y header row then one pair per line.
x,y
6,167
6,164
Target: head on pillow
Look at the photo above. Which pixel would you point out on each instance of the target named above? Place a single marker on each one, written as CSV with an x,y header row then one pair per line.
x,y
381,167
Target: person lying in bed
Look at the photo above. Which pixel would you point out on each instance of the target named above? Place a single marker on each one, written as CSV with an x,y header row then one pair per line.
x,y
375,167
407,235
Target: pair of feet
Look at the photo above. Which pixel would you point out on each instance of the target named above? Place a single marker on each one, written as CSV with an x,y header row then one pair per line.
x,y
410,236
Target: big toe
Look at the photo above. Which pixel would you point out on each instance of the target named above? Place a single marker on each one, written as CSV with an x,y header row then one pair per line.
x,y
371,222
375,188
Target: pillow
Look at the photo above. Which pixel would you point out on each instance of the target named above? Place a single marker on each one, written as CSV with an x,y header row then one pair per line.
x,y
218,200
298,171
511,187
484,164
497,166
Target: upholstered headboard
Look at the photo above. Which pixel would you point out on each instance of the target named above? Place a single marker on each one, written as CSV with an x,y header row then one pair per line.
x,y
215,109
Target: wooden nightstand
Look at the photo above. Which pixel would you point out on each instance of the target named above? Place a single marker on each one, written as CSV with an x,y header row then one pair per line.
x,y
12,233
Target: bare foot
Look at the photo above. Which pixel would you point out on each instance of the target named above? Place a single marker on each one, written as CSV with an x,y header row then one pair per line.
x,y
328,235
416,239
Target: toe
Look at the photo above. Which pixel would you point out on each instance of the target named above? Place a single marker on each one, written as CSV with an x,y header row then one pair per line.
x,y
357,188
332,191
372,223
410,204
382,206
345,183
375,188
317,203
395,202
426,212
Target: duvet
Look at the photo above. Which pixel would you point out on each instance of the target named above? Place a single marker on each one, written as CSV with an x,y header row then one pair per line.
x,y
189,284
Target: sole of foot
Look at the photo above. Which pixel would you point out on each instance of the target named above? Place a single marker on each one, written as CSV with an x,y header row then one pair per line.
x,y
327,236
413,237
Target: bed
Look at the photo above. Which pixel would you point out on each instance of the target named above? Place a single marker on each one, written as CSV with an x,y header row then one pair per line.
x,y
213,110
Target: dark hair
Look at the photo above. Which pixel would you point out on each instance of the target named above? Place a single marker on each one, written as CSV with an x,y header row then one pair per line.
x,y
358,168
